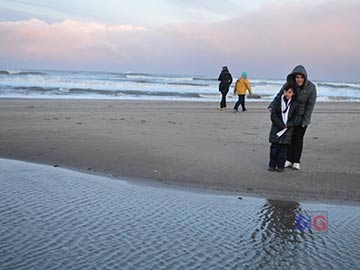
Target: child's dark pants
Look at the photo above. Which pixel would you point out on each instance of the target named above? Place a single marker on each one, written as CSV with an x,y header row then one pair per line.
x,y
241,101
278,154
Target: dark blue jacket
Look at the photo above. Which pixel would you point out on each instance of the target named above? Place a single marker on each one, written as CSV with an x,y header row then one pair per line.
x,y
278,125
225,79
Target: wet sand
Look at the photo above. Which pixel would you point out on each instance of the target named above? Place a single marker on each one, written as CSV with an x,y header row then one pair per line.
x,y
54,218
186,143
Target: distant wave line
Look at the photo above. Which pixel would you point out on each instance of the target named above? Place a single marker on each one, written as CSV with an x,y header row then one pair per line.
x,y
108,92
5,72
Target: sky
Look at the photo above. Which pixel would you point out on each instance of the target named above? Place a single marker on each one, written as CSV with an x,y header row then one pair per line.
x,y
266,38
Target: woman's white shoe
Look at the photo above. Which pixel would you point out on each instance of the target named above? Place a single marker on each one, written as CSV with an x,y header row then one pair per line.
x,y
288,164
296,166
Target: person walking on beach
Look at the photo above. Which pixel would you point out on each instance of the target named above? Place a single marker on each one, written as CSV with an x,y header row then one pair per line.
x,y
306,96
242,84
225,79
284,117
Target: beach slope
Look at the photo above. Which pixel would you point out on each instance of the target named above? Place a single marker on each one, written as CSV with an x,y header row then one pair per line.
x,y
185,143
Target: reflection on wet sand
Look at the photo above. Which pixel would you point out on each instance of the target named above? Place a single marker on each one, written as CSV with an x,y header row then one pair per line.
x,y
278,242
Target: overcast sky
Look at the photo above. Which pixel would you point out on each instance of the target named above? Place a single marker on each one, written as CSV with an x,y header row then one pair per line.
x,y
266,38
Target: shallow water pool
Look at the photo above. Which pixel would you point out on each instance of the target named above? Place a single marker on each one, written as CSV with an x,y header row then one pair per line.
x,y
53,218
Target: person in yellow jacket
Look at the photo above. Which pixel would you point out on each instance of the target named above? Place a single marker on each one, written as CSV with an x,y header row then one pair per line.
x,y
242,84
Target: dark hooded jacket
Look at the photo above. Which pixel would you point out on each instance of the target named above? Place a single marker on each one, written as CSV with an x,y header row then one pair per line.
x,y
305,95
278,125
225,79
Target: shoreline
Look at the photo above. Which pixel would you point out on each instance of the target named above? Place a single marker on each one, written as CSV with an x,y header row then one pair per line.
x,y
205,190
190,100
185,144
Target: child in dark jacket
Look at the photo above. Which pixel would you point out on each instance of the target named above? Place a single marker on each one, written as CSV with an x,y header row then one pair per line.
x,y
283,119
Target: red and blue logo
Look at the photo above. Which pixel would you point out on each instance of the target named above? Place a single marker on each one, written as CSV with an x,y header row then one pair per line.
x,y
313,221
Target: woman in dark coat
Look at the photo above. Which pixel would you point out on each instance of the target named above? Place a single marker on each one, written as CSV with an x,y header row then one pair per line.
x,y
225,79
306,97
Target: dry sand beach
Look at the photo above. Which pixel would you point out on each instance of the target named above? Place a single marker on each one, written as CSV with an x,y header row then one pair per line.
x,y
190,144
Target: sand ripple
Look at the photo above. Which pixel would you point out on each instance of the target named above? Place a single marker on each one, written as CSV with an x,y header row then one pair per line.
x,y
51,218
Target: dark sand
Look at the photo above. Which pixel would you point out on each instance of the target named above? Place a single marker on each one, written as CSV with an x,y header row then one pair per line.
x,y
186,143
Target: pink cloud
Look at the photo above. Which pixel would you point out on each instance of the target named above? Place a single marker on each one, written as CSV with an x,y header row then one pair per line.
x,y
267,41
68,40
323,36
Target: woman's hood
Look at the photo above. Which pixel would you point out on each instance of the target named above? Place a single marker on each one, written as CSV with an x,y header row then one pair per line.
x,y
297,70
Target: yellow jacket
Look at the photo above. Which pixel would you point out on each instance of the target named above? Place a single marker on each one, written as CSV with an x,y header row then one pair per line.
x,y
241,85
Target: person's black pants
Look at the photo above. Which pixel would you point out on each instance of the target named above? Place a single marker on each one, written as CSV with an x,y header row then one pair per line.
x,y
278,155
241,101
223,99
296,145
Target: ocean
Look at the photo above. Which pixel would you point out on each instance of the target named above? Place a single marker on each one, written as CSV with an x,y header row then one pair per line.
x,y
146,86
